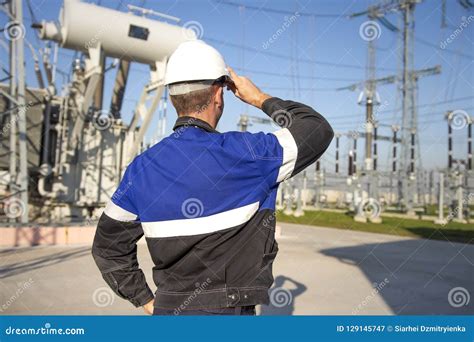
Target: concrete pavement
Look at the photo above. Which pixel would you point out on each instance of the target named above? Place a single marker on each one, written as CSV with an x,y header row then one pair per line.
x,y
318,271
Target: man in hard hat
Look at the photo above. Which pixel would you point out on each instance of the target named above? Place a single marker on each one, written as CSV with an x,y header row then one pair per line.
x,y
205,200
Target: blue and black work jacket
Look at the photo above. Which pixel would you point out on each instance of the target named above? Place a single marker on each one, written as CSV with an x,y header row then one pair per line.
x,y
205,202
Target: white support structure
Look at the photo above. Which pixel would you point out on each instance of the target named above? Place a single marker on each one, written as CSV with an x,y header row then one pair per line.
x,y
441,220
93,72
299,199
151,93
459,199
288,198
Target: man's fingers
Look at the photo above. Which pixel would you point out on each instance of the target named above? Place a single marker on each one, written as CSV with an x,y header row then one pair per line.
x,y
231,87
233,75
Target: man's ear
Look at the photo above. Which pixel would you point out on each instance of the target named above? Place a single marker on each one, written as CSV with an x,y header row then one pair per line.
x,y
218,95
219,98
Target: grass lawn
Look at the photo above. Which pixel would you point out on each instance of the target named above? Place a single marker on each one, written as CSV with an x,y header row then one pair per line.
x,y
395,226
433,210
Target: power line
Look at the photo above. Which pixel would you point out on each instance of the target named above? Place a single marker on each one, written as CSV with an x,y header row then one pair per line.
x,y
286,57
419,106
277,11
304,89
424,42
253,71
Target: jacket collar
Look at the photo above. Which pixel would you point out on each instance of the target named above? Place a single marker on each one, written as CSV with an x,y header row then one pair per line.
x,y
186,121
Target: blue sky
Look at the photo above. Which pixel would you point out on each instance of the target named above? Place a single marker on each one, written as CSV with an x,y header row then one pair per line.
x,y
340,55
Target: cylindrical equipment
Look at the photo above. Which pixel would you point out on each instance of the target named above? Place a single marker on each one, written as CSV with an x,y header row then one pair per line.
x,y
450,146
412,151
354,159
394,148
469,145
375,148
121,35
351,164
441,198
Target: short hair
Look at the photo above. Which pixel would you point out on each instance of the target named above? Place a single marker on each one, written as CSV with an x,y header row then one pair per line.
x,y
195,101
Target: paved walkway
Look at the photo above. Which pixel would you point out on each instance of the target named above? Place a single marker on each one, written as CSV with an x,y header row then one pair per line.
x,y
318,271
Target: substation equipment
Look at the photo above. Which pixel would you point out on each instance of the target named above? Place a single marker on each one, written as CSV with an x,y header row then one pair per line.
x,y
77,147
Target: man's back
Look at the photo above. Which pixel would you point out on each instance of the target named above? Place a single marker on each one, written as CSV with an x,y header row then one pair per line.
x,y
205,201
195,173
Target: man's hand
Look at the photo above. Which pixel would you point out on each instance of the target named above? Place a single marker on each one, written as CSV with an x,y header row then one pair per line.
x,y
245,90
148,307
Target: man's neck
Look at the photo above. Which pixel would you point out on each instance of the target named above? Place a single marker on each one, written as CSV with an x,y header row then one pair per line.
x,y
207,118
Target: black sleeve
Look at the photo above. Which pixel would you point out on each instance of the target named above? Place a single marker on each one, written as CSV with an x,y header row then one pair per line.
x,y
115,253
311,132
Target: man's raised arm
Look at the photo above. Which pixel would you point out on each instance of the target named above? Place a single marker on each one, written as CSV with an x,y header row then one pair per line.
x,y
305,134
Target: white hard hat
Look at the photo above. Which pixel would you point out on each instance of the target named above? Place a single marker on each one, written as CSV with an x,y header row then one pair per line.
x,y
195,61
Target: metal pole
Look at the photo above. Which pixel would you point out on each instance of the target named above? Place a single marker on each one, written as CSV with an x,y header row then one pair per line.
x,y
450,146
351,164
469,145
430,184
394,149
119,88
411,191
337,152
368,135
13,113
23,174
441,219
412,152
403,179
305,186
369,103
459,193
288,197
317,184
375,148
355,154
299,200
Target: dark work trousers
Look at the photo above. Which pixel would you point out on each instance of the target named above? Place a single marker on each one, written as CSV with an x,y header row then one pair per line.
x,y
233,311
